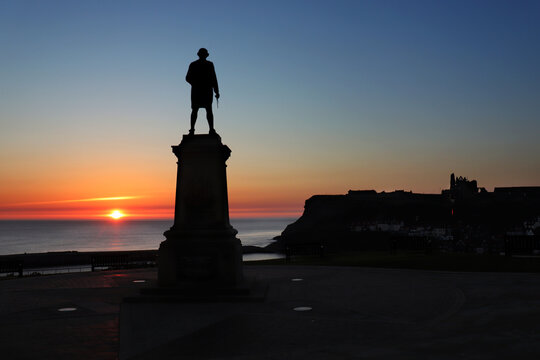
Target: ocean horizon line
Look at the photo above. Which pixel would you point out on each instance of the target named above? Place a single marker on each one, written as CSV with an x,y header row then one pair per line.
x,y
108,219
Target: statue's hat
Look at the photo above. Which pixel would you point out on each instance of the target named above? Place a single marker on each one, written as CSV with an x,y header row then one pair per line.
x,y
202,52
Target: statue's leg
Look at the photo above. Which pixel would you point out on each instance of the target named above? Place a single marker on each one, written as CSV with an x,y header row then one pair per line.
x,y
210,118
193,120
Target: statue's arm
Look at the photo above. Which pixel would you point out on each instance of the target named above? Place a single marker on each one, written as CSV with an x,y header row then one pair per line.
x,y
214,81
189,75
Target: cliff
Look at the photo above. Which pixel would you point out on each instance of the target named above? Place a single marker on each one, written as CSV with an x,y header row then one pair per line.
x,y
370,220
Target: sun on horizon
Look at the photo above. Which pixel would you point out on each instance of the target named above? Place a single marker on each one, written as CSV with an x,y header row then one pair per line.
x,y
116,214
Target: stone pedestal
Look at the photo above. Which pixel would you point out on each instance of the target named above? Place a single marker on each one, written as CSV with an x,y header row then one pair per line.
x,y
201,249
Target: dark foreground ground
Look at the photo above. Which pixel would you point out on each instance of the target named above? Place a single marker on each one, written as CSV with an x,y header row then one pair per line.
x,y
356,313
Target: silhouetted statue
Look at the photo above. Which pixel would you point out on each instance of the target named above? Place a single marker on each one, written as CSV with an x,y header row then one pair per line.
x,y
202,77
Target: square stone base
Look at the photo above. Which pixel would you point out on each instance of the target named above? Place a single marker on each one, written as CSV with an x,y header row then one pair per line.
x,y
200,263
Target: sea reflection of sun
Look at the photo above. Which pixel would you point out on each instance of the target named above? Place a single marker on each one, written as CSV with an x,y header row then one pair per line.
x,y
116,214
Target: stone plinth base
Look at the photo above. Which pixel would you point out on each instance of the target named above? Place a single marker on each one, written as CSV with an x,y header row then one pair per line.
x,y
200,262
251,290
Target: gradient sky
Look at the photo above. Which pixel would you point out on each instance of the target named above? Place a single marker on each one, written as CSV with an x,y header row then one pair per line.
x,y
317,97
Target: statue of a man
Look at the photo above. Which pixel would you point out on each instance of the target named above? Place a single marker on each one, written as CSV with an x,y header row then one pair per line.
x,y
202,77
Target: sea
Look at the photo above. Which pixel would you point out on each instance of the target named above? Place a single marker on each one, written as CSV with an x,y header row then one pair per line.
x,y
41,236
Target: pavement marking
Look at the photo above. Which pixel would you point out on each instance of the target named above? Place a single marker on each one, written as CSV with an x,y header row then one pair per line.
x,y
303,308
65,309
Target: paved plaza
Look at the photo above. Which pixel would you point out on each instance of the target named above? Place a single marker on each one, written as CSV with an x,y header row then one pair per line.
x,y
309,313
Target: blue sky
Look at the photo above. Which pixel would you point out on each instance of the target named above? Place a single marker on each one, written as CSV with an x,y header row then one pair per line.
x,y
317,96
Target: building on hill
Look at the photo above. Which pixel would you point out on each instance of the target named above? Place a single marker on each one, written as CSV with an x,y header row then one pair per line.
x,y
461,188
519,191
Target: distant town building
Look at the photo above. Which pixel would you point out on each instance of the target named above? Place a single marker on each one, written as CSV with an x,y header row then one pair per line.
x,y
519,191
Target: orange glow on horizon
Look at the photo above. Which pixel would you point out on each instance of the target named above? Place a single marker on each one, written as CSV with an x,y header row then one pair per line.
x,y
263,213
138,212
149,206
76,200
